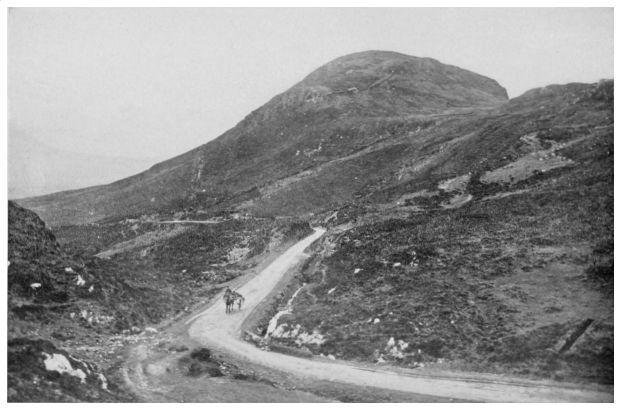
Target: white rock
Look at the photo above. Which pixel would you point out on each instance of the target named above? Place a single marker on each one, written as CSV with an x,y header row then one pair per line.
x,y
35,286
104,381
314,338
403,344
397,264
357,270
69,270
376,321
80,281
396,353
60,364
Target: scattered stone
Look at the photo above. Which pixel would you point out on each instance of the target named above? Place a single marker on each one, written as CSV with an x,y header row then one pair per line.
x,y
104,381
80,281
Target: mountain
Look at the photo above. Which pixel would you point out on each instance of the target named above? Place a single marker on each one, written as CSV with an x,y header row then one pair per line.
x,y
345,107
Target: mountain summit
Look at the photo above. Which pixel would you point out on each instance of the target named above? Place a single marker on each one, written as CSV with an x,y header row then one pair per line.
x,y
411,82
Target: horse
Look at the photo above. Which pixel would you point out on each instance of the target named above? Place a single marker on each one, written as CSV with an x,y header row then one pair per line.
x,y
230,302
230,297
240,299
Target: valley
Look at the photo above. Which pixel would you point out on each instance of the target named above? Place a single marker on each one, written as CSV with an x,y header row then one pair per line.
x,y
400,228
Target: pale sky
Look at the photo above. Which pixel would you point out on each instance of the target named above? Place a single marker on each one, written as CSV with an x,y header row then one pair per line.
x,y
148,84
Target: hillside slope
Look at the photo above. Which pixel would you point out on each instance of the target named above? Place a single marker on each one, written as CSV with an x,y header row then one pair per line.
x,y
70,315
494,253
344,107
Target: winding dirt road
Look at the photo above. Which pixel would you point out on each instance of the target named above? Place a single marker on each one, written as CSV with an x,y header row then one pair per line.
x,y
216,329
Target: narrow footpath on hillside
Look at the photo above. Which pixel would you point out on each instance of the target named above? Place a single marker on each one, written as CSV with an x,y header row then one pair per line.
x,y
218,330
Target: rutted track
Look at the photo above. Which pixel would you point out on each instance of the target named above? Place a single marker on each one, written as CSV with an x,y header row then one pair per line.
x,y
216,329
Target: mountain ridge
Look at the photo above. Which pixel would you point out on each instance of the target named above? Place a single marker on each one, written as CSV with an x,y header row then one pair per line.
x,y
257,142
276,160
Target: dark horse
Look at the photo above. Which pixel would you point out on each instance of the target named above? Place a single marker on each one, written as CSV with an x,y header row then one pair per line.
x,y
230,303
230,298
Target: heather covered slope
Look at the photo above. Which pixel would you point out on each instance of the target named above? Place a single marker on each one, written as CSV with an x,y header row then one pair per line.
x,y
498,259
347,105
71,315
46,284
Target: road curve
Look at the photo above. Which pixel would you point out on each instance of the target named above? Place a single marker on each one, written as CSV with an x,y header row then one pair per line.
x,y
214,328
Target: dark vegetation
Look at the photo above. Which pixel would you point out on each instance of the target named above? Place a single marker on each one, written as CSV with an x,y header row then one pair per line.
x,y
494,285
61,298
199,362
30,381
